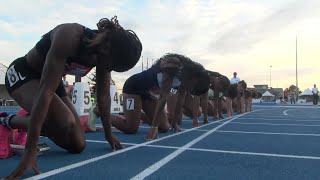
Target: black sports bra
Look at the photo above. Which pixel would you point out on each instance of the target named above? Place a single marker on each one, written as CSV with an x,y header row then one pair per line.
x,y
71,67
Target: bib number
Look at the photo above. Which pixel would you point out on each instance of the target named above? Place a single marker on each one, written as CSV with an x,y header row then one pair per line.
x,y
74,97
12,76
115,98
173,91
86,98
130,104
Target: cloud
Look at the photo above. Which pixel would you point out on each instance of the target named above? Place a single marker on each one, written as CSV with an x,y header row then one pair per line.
x,y
11,50
48,14
224,36
243,36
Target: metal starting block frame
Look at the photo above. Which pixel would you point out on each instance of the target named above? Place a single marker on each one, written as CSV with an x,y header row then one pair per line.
x,y
99,129
41,148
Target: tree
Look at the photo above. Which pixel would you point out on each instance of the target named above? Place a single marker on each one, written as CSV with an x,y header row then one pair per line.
x,y
93,82
293,88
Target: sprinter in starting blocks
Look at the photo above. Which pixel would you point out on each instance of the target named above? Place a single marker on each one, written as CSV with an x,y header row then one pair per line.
x,y
18,139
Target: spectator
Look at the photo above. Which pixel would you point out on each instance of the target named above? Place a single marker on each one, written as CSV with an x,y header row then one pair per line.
x,y
65,82
235,79
315,92
281,98
292,97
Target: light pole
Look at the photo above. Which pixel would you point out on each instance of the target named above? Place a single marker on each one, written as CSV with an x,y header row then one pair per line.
x,y
270,76
297,89
141,63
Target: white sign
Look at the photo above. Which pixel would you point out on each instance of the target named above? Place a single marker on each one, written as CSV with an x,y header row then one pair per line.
x,y
115,100
81,98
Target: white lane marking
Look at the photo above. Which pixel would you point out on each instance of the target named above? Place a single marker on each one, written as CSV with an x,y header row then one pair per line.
x,y
230,152
268,133
82,163
295,106
234,132
264,119
153,168
272,124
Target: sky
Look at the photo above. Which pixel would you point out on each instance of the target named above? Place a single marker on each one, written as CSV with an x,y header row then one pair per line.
x,y
243,36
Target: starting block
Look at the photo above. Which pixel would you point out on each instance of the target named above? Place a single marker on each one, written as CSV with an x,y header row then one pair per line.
x,y
100,129
41,148
82,95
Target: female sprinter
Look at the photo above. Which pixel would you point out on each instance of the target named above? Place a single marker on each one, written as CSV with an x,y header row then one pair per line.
x,y
219,85
34,82
149,91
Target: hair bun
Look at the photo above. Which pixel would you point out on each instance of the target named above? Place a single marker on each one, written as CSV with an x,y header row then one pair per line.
x,y
105,24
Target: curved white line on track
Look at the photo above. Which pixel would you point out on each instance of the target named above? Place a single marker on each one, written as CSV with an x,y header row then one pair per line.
x,y
285,112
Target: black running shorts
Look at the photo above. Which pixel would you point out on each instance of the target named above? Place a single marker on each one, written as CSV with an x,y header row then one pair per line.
x,y
19,72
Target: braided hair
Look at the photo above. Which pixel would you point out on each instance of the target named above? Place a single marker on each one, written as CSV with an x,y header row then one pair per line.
x,y
186,69
225,83
177,63
203,84
232,91
243,83
123,45
224,80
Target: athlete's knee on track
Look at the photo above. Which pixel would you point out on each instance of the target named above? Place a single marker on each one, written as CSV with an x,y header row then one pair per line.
x,y
78,146
125,124
164,128
186,113
76,142
131,130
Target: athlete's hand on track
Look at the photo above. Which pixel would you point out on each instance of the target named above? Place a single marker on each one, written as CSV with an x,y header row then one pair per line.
x,y
175,127
195,122
205,121
29,160
153,134
114,142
